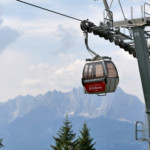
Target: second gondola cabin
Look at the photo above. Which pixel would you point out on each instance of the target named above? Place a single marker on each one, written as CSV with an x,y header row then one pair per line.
x,y
100,76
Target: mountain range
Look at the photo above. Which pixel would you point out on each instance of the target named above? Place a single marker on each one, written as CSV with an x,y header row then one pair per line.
x,y
29,122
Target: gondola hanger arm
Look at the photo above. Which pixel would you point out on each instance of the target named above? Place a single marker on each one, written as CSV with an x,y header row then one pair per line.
x,y
87,46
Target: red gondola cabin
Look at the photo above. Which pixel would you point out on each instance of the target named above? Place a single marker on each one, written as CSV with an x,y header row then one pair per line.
x,y
100,76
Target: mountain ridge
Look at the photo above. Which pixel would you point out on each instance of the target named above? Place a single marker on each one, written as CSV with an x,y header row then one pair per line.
x,y
76,103
29,122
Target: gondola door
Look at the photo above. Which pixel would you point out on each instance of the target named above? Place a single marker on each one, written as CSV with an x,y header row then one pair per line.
x,y
94,78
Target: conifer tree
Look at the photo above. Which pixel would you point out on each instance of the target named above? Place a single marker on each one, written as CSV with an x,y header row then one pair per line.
x,y
1,145
85,141
65,139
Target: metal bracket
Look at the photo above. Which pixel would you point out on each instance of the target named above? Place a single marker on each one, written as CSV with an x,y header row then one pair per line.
x,y
108,20
142,131
88,48
101,94
147,111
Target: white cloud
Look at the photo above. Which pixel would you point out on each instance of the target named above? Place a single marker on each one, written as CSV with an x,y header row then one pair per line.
x,y
54,77
5,1
129,73
41,27
20,74
19,77
7,37
13,68
85,115
125,120
31,82
69,114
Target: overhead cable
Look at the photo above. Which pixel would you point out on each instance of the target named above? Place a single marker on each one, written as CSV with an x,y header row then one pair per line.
x,y
122,9
49,10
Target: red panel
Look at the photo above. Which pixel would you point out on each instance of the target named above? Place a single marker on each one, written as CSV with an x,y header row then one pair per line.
x,y
97,87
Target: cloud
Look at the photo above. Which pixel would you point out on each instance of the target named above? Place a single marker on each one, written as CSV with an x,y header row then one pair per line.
x,y
69,76
5,1
45,77
13,68
31,83
68,37
7,37
128,71
21,74
19,77
1,21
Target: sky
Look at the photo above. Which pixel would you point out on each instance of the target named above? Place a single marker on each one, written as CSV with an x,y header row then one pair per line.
x,y
41,51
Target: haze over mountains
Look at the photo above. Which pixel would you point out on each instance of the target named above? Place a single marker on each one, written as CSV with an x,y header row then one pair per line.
x,y
28,122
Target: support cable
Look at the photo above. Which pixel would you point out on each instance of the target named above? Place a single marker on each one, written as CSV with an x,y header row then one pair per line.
x,y
49,10
111,4
122,9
